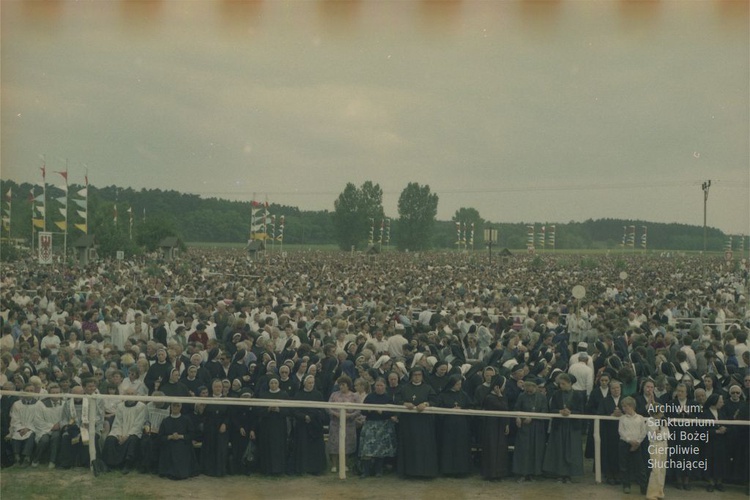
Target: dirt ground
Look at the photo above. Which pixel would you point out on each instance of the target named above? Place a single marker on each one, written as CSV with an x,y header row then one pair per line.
x,y
82,484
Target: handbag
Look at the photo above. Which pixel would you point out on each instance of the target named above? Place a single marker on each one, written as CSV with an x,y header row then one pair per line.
x,y
251,453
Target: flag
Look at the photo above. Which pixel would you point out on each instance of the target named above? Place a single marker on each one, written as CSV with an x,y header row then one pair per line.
x,y
9,194
64,175
83,214
82,227
631,236
83,192
38,223
45,248
43,168
80,203
64,212
63,200
115,215
63,225
40,198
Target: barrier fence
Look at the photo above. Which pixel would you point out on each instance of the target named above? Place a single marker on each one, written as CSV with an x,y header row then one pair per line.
x,y
342,408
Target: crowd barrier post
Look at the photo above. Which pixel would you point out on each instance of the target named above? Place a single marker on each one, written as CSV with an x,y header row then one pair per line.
x,y
597,452
342,443
92,432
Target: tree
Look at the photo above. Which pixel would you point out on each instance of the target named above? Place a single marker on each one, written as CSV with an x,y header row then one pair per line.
x,y
156,228
353,210
417,209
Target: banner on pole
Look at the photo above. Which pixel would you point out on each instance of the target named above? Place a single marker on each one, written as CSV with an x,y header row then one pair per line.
x,y
45,248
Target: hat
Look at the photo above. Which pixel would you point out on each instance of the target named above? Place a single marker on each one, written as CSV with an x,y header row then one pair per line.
x,y
583,345
399,326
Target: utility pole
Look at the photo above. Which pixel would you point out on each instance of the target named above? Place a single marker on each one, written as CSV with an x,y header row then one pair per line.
x,y
706,185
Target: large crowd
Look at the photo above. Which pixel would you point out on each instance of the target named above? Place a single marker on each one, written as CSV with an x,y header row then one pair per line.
x,y
651,337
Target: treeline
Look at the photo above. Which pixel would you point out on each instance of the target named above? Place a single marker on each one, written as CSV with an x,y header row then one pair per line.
x,y
223,221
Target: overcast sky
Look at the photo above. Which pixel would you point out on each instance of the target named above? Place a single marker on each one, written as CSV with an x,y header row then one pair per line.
x,y
527,111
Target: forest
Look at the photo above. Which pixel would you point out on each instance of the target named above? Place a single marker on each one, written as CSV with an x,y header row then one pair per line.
x,y
117,215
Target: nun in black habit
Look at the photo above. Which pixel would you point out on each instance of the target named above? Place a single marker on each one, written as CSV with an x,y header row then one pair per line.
x,y
215,436
241,431
495,430
176,454
309,454
417,446
454,431
272,431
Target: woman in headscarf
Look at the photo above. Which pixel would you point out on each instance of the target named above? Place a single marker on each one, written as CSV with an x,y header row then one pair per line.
x,y
300,371
173,387
564,455
737,408
309,445
377,440
439,379
393,385
241,430
716,445
481,391
287,383
495,430
215,437
158,373
417,446
272,431
343,395
238,369
453,430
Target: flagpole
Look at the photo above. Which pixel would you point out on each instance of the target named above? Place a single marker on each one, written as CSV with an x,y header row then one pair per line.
x,y
10,215
44,192
33,207
86,178
65,237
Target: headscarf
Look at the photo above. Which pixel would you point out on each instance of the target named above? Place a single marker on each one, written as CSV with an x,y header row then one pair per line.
x,y
498,380
349,369
712,400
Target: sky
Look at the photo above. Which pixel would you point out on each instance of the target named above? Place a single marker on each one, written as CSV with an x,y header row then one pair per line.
x,y
528,111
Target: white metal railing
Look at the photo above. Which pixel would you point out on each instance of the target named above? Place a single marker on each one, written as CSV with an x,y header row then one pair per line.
x,y
342,407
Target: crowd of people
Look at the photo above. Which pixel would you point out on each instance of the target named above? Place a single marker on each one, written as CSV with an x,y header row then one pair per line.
x,y
652,336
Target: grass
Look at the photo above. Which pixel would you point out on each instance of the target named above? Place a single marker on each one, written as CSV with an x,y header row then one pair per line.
x,y
275,248
41,484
